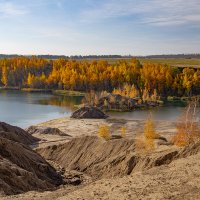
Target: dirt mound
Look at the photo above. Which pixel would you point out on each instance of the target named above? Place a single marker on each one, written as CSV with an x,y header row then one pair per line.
x,y
88,154
16,134
89,112
22,169
118,157
96,157
15,179
45,130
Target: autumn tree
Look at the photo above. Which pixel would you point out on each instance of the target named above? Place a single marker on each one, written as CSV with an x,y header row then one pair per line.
x,y
126,77
4,76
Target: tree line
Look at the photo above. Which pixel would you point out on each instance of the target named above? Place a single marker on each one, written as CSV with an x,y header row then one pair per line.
x,y
35,72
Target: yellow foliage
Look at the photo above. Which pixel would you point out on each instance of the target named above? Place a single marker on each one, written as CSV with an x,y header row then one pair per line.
x,y
150,144
104,132
132,79
4,78
186,135
123,131
127,90
149,129
145,143
188,127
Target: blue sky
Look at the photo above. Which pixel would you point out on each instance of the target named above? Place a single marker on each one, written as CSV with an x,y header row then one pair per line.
x,y
82,27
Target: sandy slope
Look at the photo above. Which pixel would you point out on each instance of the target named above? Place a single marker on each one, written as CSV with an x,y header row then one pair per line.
x,y
178,180
108,163
21,168
81,127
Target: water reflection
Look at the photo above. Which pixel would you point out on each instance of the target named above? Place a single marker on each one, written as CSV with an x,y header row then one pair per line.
x,y
24,109
61,101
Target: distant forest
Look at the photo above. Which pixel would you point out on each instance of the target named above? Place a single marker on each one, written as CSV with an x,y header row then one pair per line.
x,y
76,57
145,79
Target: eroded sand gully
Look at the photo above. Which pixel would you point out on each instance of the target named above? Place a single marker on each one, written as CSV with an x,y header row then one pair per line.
x,y
167,173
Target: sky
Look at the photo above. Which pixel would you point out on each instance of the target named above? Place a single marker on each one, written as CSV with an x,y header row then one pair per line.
x,y
99,27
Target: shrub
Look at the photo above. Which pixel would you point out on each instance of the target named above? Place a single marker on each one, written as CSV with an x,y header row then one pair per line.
x,y
104,132
123,131
145,143
149,129
188,125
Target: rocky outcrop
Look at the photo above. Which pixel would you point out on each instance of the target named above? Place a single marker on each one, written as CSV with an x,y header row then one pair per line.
x,y
21,168
89,112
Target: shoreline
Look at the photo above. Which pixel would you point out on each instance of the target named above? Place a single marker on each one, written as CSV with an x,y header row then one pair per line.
x,y
90,127
51,91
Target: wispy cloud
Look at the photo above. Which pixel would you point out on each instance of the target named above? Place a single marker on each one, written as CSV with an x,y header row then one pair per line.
x,y
153,12
9,9
100,26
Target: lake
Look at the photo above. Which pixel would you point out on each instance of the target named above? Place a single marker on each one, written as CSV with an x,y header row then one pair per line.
x,y
24,109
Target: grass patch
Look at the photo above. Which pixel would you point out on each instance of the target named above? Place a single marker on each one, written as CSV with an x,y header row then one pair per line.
x,y
174,62
68,93
34,90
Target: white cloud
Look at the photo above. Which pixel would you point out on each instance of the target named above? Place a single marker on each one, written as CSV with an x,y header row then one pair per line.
x,y
9,9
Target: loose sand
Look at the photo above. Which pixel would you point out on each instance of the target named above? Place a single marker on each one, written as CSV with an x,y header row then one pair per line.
x,y
114,169
85,127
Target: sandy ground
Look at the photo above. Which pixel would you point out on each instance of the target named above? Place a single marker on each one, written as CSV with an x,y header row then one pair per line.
x,y
178,180
82,127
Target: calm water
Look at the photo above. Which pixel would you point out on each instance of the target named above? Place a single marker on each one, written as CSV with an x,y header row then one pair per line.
x,y
25,109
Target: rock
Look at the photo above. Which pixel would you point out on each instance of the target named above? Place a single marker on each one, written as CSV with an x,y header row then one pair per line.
x,y
45,130
160,140
72,181
75,181
89,112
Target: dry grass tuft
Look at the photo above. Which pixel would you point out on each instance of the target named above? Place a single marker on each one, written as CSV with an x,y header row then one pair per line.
x,y
145,142
188,125
149,129
104,132
123,132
